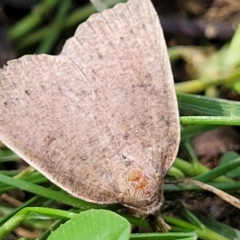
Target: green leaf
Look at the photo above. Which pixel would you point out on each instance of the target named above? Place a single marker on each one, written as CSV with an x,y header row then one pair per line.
x,y
227,158
190,104
94,224
221,228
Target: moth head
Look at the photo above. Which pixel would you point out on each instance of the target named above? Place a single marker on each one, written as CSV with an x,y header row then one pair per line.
x,y
141,191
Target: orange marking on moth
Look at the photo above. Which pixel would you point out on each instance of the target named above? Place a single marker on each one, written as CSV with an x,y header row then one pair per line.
x,y
139,180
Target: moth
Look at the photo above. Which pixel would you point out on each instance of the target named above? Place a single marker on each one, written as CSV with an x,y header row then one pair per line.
x,y
100,120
